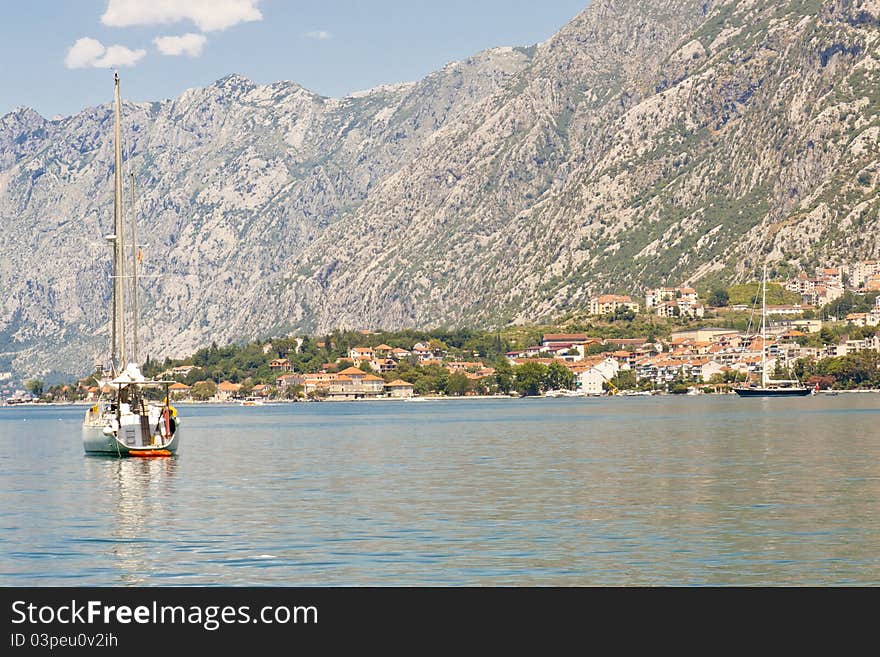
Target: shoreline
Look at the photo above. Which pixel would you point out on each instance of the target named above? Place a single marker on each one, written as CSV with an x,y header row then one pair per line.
x,y
430,399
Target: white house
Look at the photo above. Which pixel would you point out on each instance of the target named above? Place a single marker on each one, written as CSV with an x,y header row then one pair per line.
x,y
590,380
361,353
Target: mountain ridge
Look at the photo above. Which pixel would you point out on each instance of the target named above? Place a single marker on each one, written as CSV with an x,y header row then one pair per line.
x,y
645,143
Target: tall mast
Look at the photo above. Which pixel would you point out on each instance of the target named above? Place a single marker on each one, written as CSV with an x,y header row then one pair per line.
x,y
119,257
113,361
134,278
764,331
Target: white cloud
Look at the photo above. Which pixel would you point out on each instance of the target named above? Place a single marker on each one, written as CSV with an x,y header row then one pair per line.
x,y
187,44
83,53
320,35
91,53
208,15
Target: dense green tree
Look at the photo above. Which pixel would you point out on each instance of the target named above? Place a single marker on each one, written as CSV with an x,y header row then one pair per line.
x,y
719,298
486,345
194,375
293,392
530,378
424,386
204,390
247,387
35,387
437,345
504,375
626,380
559,377
457,384
780,373
859,370
481,386
850,302
621,314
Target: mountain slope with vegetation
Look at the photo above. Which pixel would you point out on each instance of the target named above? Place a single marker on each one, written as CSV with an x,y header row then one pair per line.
x,y
646,143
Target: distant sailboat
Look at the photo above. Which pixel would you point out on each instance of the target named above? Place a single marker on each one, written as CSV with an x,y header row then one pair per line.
x,y
770,387
125,422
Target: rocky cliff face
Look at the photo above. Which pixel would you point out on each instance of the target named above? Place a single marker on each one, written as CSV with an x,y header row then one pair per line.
x,y
647,142
233,183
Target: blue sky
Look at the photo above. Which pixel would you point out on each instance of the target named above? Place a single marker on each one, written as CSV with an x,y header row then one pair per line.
x,y
333,47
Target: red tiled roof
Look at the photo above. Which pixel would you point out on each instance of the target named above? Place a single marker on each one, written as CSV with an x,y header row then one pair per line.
x,y
568,337
353,371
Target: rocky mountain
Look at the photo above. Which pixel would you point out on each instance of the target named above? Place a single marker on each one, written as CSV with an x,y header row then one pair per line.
x,y
647,142
233,182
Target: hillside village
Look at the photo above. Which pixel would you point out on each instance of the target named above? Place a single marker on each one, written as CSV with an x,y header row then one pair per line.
x,y
699,359
807,340
827,285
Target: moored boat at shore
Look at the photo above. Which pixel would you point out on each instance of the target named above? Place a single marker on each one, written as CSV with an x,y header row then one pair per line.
x,y
770,387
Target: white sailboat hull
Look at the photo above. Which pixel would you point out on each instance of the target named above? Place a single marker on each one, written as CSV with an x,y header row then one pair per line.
x,y
95,441
101,437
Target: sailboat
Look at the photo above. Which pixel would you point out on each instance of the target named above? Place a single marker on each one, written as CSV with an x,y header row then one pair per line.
x,y
125,422
770,387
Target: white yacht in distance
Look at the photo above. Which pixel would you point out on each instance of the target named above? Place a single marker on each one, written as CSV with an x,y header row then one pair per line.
x,y
125,422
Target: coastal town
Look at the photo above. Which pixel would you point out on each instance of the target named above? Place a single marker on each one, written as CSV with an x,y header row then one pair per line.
x,y
827,285
681,352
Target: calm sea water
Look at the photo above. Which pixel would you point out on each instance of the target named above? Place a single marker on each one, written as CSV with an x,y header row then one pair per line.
x,y
625,491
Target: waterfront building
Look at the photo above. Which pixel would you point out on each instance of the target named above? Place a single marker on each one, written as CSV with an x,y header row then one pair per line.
x,y
353,383
226,391
178,390
399,389
591,375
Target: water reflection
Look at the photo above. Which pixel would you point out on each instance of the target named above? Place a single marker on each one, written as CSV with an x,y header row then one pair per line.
x,y
140,495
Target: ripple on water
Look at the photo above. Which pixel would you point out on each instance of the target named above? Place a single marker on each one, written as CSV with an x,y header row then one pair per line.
x,y
570,492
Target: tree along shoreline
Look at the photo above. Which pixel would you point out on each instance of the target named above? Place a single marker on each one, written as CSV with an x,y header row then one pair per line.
x,y
249,364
